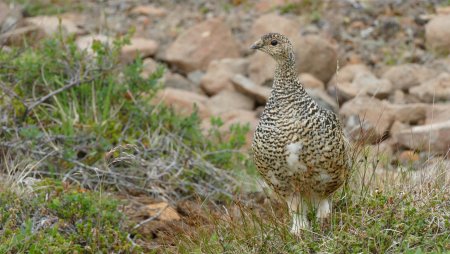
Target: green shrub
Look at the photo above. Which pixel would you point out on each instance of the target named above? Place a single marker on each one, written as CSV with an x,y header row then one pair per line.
x,y
70,108
59,218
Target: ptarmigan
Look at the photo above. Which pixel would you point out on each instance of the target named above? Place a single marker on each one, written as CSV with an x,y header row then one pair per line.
x,y
299,148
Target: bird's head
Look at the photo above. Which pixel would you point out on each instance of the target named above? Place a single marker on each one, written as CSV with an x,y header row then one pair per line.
x,y
276,45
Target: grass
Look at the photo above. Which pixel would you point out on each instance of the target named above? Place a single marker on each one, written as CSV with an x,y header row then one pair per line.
x,y
380,212
61,218
79,128
70,117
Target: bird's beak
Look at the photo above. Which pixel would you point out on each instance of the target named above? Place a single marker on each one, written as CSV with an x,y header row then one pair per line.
x,y
257,45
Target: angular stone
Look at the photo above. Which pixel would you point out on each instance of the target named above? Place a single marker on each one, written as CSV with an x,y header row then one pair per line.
x,y
219,74
309,81
406,76
437,34
434,137
272,22
199,45
22,35
317,56
437,113
246,86
149,10
228,101
261,69
53,24
434,90
372,114
183,102
138,47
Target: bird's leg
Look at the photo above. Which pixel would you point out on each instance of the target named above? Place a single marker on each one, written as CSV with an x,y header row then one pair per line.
x,y
323,212
298,208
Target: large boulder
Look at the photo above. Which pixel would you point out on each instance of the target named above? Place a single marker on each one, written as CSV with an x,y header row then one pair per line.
x,y
437,89
229,100
183,102
309,81
54,24
373,115
270,23
142,47
246,86
219,74
196,47
261,69
437,34
406,76
354,80
433,137
317,56
437,113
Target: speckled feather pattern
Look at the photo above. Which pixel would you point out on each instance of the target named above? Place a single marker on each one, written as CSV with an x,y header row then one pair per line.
x,y
298,146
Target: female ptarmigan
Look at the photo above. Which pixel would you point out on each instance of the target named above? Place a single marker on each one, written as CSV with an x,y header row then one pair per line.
x,y
299,147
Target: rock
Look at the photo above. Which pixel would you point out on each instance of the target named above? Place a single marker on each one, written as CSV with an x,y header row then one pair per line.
x,y
323,99
317,56
414,113
434,137
268,5
261,69
199,45
370,113
240,117
371,85
437,34
219,74
434,90
183,102
175,80
246,86
406,76
398,97
161,211
53,24
23,35
196,77
440,65
228,101
149,10
341,84
4,11
442,10
408,157
138,47
397,127
85,42
149,65
348,73
272,22
169,79
364,83
437,113
10,19
309,81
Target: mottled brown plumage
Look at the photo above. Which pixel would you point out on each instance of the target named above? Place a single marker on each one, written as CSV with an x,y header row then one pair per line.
x,y
299,148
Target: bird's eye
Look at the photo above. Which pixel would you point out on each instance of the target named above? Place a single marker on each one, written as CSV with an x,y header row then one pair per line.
x,y
274,42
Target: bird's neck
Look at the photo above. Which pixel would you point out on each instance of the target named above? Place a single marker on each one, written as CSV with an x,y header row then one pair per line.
x,y
286,77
